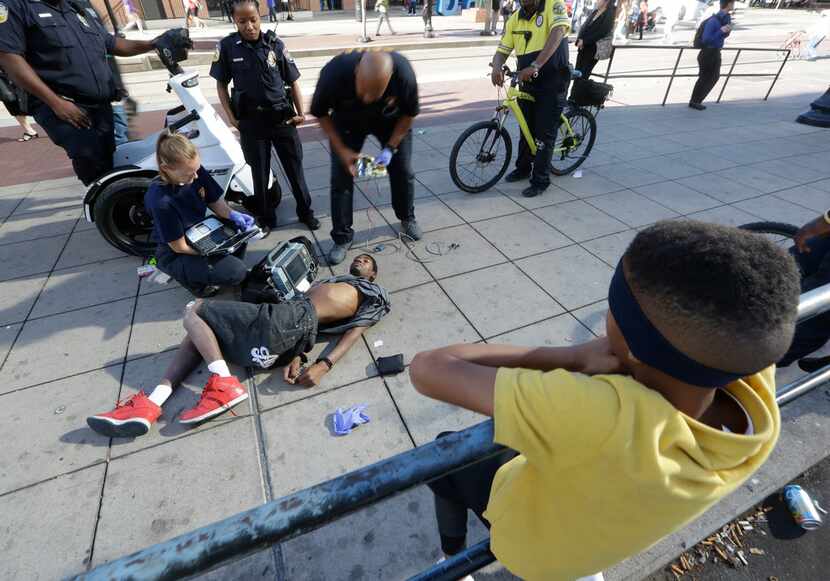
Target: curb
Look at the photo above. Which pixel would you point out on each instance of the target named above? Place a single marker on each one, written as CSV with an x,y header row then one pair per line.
x,y
151,62
805,423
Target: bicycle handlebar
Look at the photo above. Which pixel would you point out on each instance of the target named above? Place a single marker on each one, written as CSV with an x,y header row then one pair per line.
x,y
514,75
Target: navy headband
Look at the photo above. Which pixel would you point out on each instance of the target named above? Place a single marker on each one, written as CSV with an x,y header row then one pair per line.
x,y
650,346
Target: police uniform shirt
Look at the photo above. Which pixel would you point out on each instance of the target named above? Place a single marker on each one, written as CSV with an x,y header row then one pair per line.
x,y
176,208
260,69
336,92
66,46
527,34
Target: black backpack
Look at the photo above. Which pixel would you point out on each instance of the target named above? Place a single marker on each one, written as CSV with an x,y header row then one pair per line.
x,y
698,41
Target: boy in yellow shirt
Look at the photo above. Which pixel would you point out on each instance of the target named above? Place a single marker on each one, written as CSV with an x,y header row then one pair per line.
x,y
626,438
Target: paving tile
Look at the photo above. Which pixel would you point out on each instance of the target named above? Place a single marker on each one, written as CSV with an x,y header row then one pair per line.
x,y
756,178
429,159
7,336
87,247
17,297
19,228
425,417
156,494
8,205
370,227
725,215
499,298
432,214
720,188
320,203
397,267
580,221
668,167
438,181
145,374
571,275
610,249
88,285
474,207
44,430
316,178
61,198
777,210
784,168
19,190
593,316
379,192
474,251
675,196
158,322
33,257
590,184
561,331
553,195
355,366
703,159
632,208
48,529
58,346
291,432
809,196
422,318
629,176
520,235
259,566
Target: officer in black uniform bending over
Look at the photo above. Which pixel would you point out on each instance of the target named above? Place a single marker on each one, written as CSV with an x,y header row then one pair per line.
x,y
260,68
538,34
57,52
368,93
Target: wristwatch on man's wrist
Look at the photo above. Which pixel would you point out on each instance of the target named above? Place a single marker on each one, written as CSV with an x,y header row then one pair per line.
x,y
535,66
325,360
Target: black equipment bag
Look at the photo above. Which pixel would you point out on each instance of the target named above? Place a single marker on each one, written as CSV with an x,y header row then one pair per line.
x,y
698,41
257,288
588,93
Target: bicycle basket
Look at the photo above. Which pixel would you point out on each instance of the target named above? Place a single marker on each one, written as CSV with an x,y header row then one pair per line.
x,y
588,93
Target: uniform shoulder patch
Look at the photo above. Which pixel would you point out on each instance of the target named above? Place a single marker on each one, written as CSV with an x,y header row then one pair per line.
x,y
217,51
559,8
540,19
4,13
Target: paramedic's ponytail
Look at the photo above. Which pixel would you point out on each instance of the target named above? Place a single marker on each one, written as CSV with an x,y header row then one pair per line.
x,y
171,150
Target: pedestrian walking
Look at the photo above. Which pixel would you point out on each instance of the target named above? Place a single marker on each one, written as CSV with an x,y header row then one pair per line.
x,y
491,22
598,26
817,33
272,10
132,16
709,38
413,7
382,8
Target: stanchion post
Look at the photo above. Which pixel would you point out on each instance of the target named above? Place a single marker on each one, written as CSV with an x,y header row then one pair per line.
x,y
365,37
729,75
671,78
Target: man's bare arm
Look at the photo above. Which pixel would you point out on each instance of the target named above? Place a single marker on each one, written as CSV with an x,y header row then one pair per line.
x,y
314,373
124,47
347,156
402,127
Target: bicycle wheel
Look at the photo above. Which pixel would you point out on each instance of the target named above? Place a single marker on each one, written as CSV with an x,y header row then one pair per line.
x,y
480,157
775,231
572,148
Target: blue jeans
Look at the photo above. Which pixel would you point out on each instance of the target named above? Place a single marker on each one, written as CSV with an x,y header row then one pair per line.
x,y
120,123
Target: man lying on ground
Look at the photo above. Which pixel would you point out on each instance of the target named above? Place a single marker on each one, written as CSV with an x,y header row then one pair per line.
x,y
624,439
256,335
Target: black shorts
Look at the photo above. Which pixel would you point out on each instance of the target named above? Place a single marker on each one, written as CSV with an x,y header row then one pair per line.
x,y
258,335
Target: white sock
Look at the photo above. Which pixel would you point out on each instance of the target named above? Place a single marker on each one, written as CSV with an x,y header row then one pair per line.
x,y
160,394
220,368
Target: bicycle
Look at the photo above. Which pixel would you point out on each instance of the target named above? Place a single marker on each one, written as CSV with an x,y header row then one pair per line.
x,y
577,130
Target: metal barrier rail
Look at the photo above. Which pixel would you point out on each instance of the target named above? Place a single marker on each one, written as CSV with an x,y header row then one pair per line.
x,y
312,508
674,74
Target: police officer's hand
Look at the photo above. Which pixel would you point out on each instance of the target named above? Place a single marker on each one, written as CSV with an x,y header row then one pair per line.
x,y
527,74
497,77
349,159
69,112
297,120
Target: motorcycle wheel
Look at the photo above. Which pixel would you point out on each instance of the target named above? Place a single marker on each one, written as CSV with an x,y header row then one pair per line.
x,y
121,217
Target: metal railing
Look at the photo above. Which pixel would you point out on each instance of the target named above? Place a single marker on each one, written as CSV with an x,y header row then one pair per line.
x,y
681,49
312,508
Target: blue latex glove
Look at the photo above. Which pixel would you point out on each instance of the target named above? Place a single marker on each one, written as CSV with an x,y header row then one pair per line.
x,y
346,420
384,157
243,221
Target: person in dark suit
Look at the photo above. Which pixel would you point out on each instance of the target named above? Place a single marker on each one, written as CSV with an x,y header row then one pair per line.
x,y
598,25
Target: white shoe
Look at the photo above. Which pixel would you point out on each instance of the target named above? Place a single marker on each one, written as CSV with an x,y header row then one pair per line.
x,y
465,578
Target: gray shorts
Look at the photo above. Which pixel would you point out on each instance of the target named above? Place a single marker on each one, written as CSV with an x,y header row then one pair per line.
x,y
261,335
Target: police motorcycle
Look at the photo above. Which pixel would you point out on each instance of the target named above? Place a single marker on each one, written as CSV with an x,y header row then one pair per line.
x,y
115,201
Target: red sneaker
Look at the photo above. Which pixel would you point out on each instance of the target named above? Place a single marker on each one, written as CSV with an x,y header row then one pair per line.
x,y
220,395
128,420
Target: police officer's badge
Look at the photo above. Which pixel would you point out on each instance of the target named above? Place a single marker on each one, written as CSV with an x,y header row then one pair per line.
x,y
83,20
272,59
202,193
540,19
4,13
216,54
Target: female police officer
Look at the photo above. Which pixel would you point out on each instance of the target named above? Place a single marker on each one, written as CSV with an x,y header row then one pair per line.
x,y
57,51
261,68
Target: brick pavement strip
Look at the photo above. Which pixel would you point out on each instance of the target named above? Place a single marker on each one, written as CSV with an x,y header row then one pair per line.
x,y
77,331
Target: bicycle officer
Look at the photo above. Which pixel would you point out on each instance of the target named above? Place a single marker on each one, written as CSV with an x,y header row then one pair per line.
x,y
263,111
537,32
58,51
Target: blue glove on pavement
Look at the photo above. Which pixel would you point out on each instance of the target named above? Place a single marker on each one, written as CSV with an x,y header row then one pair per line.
x,y
346,420
384,157
243,221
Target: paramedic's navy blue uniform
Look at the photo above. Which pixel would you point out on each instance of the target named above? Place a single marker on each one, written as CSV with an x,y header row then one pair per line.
x,y
67,47
260,71
174,210
709,57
